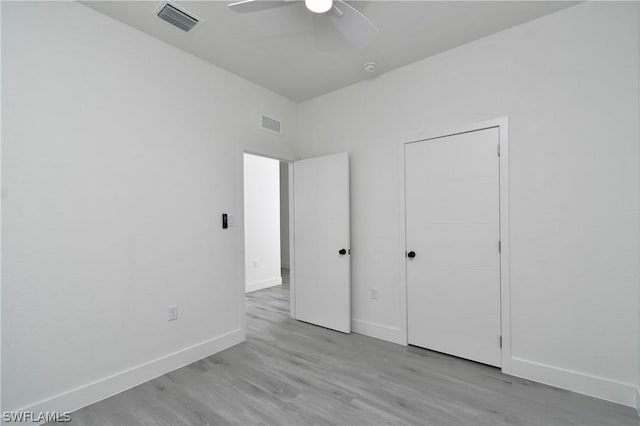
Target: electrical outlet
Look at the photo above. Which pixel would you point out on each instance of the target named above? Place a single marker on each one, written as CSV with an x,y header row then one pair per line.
x,y
374,293
172,312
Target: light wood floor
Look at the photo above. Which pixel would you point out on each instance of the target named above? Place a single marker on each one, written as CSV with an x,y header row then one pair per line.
x,y
292,373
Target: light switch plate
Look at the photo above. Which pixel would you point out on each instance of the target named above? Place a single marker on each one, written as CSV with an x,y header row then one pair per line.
x,y
172,312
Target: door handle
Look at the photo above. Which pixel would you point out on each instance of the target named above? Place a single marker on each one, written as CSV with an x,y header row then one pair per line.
x,y
342,252
411,254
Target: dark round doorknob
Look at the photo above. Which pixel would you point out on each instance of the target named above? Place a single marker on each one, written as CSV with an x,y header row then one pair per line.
x,y
343,251
411,254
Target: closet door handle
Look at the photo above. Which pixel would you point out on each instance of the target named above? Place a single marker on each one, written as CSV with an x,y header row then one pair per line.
x,y
411,254
342,252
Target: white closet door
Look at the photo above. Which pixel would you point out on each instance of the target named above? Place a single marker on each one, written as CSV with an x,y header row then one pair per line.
x,y
321,235
453,226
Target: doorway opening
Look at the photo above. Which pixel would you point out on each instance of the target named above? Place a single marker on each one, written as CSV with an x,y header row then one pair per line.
x,y
266,234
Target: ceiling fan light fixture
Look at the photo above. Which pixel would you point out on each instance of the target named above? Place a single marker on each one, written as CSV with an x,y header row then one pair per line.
x,y
318,6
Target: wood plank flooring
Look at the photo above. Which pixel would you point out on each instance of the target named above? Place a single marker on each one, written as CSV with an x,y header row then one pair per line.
x,y
292,373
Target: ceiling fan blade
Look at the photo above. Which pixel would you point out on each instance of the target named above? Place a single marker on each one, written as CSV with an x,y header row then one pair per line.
x,y
248,6
325,36
353,25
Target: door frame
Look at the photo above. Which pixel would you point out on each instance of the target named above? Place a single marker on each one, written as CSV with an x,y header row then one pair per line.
x,y
239,224
502,124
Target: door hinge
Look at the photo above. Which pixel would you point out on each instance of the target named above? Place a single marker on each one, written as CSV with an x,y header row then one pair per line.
x,y
499,246
498,150
501,341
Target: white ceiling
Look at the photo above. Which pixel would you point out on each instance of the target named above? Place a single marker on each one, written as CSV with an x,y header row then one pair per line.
x,y
300,55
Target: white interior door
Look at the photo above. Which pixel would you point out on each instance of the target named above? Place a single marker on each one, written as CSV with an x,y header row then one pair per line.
x,y
321,235
453,228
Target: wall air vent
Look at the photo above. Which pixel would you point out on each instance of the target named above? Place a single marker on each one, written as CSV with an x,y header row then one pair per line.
x,y
270,125
177,17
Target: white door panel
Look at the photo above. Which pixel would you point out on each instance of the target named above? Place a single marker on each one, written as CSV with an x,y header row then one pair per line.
x,y
446,196
460,291
454,157
471,246
321,230
453,222
472,342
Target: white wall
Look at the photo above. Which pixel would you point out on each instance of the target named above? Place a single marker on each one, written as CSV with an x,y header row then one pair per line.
x,y
569,84
284,214
261,222
119,155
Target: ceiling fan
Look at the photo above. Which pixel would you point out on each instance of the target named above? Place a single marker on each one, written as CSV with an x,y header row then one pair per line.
x,y
353,25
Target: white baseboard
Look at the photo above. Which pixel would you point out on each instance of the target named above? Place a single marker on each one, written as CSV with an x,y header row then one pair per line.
x,y
379,331
98,390
259,285
599,387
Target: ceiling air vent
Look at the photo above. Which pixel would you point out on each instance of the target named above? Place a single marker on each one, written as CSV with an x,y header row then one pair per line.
x,y
270,124
177,17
